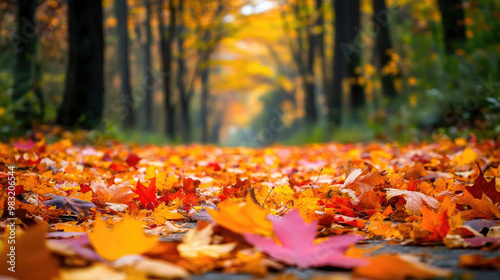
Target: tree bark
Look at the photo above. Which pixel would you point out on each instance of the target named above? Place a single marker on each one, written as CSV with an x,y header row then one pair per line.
x,y
149,84
382,44
83,99
25,69
357,91
205,93
121,11
183,93
452,13
166,41
310,102
334,98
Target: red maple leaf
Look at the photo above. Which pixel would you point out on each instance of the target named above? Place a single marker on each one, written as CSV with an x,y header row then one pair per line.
x,y
132,160
147,196
482,186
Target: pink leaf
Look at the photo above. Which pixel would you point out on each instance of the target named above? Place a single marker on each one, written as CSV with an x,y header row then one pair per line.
x,y
28,146
297,244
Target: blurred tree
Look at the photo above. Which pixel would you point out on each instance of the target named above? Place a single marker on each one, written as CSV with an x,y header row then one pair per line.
x,y
83,98
26,69
121,11
302,38
383,44
453,15
148,84
184,95
166,49
353,26
347,59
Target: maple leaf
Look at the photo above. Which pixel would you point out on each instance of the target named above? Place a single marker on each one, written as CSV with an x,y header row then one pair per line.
x,y
436,223
480,208
25,146
396,267
32,259
147,196
196,243
242,217
132,160
121,193
126,238
74,205
482,186
297,244
362,181
414,200
163,213
476,261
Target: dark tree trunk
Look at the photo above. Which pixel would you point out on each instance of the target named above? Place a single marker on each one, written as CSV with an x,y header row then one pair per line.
x,y
26,68
121,11
452,13
183,94
310,102
357,91
320,23
382,45
83,99
166,41
334,98
149,84
205,93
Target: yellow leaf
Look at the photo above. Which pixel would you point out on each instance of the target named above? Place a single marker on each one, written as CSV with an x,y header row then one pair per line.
x,y
242,217
196,243
398,267
468,156
164,213
126,238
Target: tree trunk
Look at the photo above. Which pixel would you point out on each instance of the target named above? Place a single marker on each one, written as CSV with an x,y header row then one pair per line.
x,y
149,84
382,44
357,91
121,11
310,102
183,94
334,98
166,41
320,23
83,99
205,92
452,13
25,45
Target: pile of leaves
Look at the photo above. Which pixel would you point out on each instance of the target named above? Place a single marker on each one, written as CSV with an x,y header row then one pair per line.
x,y
130,212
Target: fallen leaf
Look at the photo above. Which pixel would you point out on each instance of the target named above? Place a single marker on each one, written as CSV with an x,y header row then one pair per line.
x,y
386,266
242,217
126,237
196,243
414,200
297,246
30,258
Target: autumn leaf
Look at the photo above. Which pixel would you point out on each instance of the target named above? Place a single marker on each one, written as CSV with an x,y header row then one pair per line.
x,y
297,245
196,243
242,217
414,200
71,204
480,208
147,196
121,193
482,186
436,223
32,259
126,237
362,181
395,267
